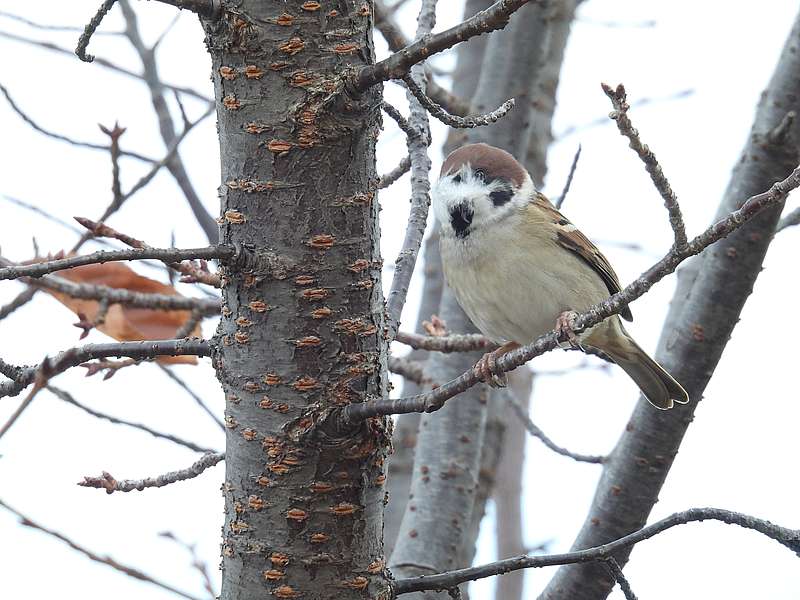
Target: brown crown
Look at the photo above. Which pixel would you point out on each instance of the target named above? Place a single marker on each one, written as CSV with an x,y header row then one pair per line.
x,y
496,163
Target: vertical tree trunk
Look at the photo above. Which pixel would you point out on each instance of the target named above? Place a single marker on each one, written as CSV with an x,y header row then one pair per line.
x,y
302,319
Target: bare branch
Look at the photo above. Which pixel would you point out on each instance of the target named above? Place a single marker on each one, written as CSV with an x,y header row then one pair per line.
x,y
454,121
522,414
433,400
106,560
19,301
616,572
111,485
446,343
401,121
104,256
389,178
560,202
63,138
618,99
790,220
443,581
69,398
75,356
399,64
411,370
91,27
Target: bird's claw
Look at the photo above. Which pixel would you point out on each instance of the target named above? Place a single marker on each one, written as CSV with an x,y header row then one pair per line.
x,y
565,328
486,370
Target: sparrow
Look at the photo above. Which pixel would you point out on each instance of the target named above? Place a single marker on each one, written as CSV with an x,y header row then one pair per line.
x,y
520,269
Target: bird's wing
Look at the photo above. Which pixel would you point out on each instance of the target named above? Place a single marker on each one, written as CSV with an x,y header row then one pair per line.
x,y
569,237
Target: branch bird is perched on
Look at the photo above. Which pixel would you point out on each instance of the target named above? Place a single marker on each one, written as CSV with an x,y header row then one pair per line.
x,y
518,266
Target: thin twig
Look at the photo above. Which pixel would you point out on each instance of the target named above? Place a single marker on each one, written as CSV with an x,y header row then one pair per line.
x,y
169,373
568,184
81,354
616,572
455,121
19,301
106,560
468,342
199,565
69,398
790,220
389,178
103,256
411,370
107,482
443,581
522,415
91,27
435,399
63,138
618,99
399,64
401,121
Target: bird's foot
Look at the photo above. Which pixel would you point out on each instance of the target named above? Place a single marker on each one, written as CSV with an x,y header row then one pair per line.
x,y
486,367
565,328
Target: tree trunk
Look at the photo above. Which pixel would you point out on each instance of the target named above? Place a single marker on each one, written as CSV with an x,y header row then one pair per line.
x,y
302,320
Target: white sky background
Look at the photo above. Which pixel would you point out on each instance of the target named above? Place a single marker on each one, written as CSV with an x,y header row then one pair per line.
x,y
739,453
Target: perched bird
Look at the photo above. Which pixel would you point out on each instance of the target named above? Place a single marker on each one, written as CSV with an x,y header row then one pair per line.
x,y
518,267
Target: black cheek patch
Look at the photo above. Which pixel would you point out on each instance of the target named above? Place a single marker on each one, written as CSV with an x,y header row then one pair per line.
x,y
500,197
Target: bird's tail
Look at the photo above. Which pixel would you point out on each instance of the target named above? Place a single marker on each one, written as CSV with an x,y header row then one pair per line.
x,y
658,386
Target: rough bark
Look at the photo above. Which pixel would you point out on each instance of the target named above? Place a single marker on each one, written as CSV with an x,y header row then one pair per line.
x,y
302,317
702,319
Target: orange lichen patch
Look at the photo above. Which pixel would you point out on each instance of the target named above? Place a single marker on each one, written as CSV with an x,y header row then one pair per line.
x,y
228,73
253,72
278,468
319,538
234,216
323,241
292,46
278,146
333,13
305,384
364,10
307,341
304,280
230,422
376,566
357,583
227,550
243,322
250,280
256,502
250,185
263,481
265,402
307,137
345,48
233,398
272,379
226,312
371,330
273,575
278,66
238,508
321,313
321,487
302,79
343,509
364,284
315,294
258,306
279,559
290,460
284,20
380,479
251,386
239,526
296,514
350,326
254,128
249,434
231,102
311,6
358,266
241,337
286,591
283,408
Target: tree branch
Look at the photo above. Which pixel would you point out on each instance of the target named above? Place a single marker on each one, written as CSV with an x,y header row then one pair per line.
x,y
433,400
465,342
75,356
111,485
399,64
103,256
389,178
443,581
106,560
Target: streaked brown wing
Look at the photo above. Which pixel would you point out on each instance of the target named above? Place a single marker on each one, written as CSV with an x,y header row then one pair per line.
x,y
572,239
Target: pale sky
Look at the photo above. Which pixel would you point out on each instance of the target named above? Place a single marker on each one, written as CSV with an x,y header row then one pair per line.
x,y
738,454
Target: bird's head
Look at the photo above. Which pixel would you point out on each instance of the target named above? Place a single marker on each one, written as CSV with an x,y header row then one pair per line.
x,y
479,186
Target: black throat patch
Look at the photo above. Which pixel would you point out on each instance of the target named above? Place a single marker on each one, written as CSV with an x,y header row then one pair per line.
x,y
461,218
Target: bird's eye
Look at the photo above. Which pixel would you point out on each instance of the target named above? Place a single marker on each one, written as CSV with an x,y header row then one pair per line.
x,y
480,174
457,178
